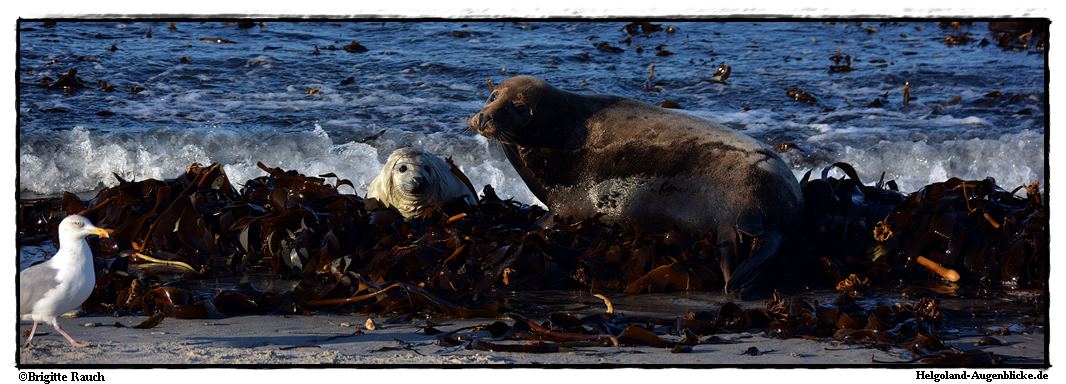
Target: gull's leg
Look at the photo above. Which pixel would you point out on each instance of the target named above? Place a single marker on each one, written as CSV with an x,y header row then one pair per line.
x,y
73,343
29,340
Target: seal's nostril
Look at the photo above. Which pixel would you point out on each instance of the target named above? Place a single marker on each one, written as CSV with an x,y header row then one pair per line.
x,y
480,120
475,121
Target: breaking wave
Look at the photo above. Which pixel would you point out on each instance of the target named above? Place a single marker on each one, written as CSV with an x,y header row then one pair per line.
x,y
82,160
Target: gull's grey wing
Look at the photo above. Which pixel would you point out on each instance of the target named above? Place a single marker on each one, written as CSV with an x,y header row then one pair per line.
x,y
34,282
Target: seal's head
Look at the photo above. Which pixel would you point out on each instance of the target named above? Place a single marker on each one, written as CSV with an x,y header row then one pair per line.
x,y
415,182
517,112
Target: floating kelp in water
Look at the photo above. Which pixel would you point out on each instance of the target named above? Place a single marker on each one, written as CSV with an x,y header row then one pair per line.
x,y
958,39
69,82
1020,35
105,86
607,47
800,96
355,47
722,73
841,63
217,40
642,26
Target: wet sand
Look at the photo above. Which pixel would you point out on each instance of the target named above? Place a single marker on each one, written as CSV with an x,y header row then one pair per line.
x,y
329,339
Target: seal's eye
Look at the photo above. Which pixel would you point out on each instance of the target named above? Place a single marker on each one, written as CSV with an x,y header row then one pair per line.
x,y
403,168
426,167
492,97
521,109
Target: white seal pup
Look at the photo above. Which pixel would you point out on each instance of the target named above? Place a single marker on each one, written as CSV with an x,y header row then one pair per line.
x,y
416,182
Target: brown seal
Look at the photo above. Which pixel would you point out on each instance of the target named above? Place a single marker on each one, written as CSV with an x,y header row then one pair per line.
x,y
586,155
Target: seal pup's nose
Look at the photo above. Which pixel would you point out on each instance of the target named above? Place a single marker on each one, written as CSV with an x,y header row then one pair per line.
x,y
418,184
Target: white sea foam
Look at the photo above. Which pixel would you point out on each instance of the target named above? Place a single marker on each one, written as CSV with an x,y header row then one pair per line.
x,y
260,61
82,160
1012,159
950,120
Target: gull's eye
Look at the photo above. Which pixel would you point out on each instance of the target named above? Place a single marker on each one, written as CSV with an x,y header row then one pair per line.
x,y
77,223
403,168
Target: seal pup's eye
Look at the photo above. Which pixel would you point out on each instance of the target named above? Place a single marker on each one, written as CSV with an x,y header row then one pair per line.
x,y
426,167
403,168
492,97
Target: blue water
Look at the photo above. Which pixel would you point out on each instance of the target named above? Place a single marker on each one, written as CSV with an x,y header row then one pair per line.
x,y
245,102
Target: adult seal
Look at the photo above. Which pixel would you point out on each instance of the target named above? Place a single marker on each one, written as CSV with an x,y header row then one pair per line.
x,y
587,155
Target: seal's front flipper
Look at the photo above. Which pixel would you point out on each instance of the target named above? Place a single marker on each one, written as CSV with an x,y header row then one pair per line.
x,y
764,248
727,254
544,221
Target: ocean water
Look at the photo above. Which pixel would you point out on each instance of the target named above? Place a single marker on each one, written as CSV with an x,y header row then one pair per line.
x,y
269,97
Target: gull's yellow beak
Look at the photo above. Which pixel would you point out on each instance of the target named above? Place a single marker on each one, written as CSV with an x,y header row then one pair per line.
x,y
101,232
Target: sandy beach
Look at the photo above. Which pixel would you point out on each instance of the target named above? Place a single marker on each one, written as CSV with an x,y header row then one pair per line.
x,y
331,339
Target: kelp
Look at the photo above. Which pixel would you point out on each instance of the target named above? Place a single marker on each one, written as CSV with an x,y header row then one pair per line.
x,y
987,234
291,226
1019,35
913,328
972,232
463,259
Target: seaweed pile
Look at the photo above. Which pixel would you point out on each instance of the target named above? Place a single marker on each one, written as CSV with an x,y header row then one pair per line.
x,y
910,327
990,237
170,235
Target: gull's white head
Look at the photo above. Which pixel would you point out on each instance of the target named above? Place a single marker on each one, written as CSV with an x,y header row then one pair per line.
x,y
76,227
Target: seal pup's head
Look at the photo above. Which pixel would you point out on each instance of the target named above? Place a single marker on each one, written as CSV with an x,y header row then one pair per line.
x,y
416,182
521,111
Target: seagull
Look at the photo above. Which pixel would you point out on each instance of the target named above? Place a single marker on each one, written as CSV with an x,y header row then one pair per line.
x,y
62,283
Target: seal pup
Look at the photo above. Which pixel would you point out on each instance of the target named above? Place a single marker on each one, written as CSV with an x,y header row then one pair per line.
x,y
416,182
62,283
588,155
